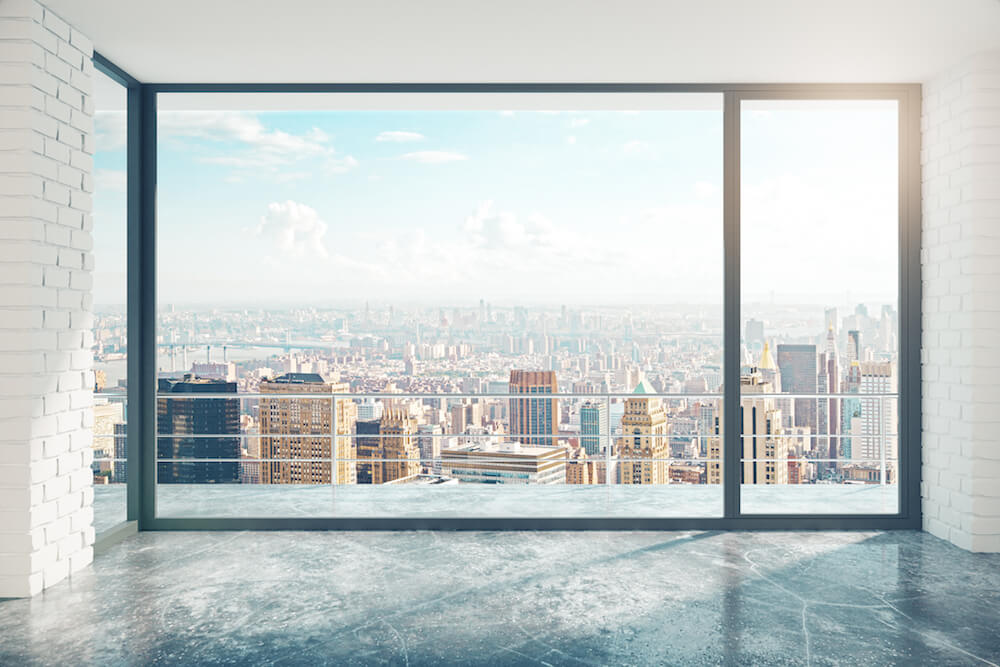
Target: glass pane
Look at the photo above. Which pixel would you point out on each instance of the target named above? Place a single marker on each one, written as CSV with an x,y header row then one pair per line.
x,y
110,289
491,313
819,279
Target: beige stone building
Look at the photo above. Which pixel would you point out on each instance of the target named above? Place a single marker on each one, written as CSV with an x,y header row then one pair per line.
x,y
301,428
644,448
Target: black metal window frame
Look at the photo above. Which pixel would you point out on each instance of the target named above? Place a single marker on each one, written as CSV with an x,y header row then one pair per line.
x,y
141,310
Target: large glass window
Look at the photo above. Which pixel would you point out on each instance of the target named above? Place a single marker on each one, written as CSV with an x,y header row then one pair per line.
x,y
110,289
475,305
820,285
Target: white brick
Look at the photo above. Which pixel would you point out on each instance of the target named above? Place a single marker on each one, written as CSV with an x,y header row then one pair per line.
x,y
46,416
961,309
57,25
22,9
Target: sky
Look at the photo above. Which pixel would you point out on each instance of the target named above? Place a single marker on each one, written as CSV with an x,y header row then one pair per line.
x,y
447,207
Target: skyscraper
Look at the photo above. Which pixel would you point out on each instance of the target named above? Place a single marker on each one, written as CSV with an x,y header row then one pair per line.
x,y
400,454
799,373
853,346
644,449
765,452
534,420
176,418
765,455
368,449
387,448
828,414
593,424
879,423
301,428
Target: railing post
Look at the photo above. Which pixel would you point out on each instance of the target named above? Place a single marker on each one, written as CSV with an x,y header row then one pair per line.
x,y
881,430
335,470
606,438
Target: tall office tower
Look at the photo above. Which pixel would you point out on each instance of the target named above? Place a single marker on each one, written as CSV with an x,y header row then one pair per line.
x,y
753,333
878,415
300,428
368,450
370,409
765,453
534,421
430,446
121,454
853,346
399,452
465,415
197,417
830,320
850,420
580,469
828,410
593,424
770,373
644,449
765,458
713,467
799,372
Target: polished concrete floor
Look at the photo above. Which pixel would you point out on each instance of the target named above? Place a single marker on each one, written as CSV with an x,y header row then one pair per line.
x,y
899,598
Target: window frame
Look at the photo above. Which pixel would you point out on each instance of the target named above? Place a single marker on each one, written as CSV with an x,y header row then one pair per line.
x,y
142,153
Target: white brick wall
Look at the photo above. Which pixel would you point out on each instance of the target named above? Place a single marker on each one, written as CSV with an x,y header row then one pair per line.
x,y
961,304
46,498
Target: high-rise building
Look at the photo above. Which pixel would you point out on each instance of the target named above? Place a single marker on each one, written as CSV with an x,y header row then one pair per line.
x,y
400,454
828,409
297,431
879,423
593,424
429,443
121,454
369,409
765,452
799,373
644,448
580,469
853,346
765,458
387,449
177,418
368,447
850,419
830,320
534,421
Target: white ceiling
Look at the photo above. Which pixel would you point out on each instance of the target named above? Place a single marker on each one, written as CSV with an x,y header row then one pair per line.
x,y
536,40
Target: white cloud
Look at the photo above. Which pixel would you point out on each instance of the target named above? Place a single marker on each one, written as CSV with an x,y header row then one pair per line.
x,y
341,165
318,135
399,136
289,176
571,140
637,148
434,157
579,122
263,147
109,180
110,128
295,229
